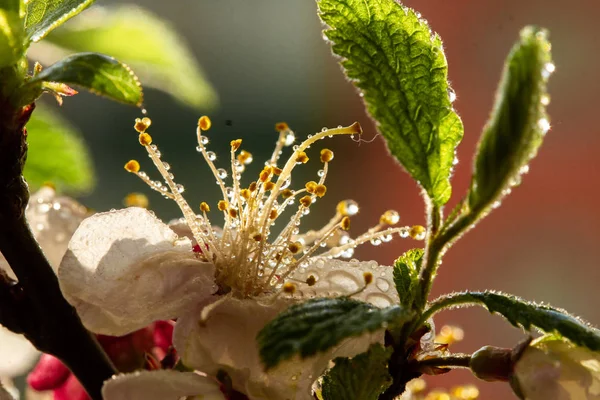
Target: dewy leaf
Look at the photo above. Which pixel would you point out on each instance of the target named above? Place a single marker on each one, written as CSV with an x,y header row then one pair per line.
x,y
11,32
57,154
363,377
521,313
98,73
153,49
518,122
318,324
406,275
399,66
45,15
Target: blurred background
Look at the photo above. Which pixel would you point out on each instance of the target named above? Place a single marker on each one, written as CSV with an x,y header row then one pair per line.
x,y
267,62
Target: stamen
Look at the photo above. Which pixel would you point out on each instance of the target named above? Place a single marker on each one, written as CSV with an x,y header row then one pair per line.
x,y
136,200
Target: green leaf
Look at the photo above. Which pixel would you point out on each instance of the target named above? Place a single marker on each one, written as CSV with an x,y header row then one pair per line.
x,y
56,154
98,73
400,68
11,32
318,324
525,314
363,377
153,49
518,122
45,15
406,276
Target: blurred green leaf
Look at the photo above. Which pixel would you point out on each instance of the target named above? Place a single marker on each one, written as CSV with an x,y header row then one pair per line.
x,y
152,48
45,15
98,73
406,276
518,122
363,377
318,324
400,68
11,32
56,154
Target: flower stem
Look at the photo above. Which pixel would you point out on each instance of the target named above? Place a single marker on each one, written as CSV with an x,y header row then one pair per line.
x,y
453,361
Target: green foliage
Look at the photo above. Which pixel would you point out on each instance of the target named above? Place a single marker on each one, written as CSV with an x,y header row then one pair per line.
x,y
11,32
363,377
45,15
400,68
518,122
152,48
318,324
98,73
56,154
406,276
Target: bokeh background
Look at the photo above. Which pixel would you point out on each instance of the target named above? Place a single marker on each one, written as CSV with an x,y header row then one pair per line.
x,y
268,63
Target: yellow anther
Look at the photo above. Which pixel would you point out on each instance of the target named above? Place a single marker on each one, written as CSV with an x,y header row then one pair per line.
x,y
390,217
204,207
257,236
145,139
235,144
233,213
301,157
437,395
276,171
252,186
416,385
281,126
306,201
310,186
286,193
132,166
466,392
204,123
345,223
244,157
417,232
265,174
295,247
326,155
142,124
450,334
289,288
347,207
273,214
136,200
320,190
311,280
222,205
368,277
245,193
268,186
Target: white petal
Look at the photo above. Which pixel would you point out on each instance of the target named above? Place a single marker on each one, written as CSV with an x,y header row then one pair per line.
x,y
17,355
226,339
125,269
161,385
336,277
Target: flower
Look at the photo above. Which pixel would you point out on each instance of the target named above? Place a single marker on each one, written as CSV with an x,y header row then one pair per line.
x,y
126,268
552,368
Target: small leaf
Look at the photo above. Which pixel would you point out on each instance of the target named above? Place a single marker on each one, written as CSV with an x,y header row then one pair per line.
x,y
11,32
98,73
518,122
57,154
406,275
318,324
153,49
363,377
400,68
45,15
525,314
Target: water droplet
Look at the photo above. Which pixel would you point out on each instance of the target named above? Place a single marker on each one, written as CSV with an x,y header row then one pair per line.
x,y
222,173
199,149
323,129
204,140
544,125
545,100
321,173
382,284
344,280
549,68
144,111
379,300
296,147
452,95
180,188
524,169
455,161
211,155
166,165
403,233
376,241
289,139
386,238
418,14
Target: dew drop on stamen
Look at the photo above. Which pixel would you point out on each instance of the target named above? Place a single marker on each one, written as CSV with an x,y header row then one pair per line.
x,y
544,125
204,140
321,173
211,155
166,165
180,188
222,173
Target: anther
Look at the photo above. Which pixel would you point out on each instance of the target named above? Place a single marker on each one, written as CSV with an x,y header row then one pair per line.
x,y
311,280
390,217
276,171
244,157
222,205
132,166
287,193
345,223
142,124
265,174
326,155
417,232
281,126
273,214
245,193
306,201
204,123
310,186
252,186
257,236
235,144
136,200
289,288
320,190
368,277
268,186
301,157
204,207
145,139
347,207
295,247
233,213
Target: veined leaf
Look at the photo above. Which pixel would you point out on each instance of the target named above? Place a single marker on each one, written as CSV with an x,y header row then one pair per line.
x,y
45,15
318,324
98,73
57,154
363,377
399,66
153,49
518,122
406,275
12,32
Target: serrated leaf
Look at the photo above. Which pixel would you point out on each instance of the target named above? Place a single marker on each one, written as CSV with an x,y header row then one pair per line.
x,y
518,122
363,377
400,68
98,73
57,154
11,32
318,324
153,49
406,275
525,314
45,15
